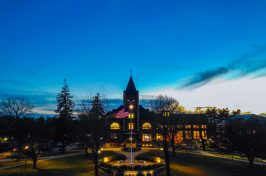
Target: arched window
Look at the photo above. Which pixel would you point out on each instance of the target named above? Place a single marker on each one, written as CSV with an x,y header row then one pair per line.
x,y
146,126
115,126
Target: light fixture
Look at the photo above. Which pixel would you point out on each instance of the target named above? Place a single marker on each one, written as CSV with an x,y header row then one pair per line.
x,y
131,106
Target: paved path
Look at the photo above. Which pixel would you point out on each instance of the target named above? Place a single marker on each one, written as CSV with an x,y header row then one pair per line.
x,y
128,155
234,159
42,159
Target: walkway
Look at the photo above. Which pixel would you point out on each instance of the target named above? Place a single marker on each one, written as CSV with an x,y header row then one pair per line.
x,y
128,155
205,153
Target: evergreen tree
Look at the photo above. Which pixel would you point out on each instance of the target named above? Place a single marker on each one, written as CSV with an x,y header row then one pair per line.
x,y
65,104
65,108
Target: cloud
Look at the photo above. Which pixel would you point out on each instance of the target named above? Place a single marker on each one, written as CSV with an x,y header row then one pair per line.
x,y
246,94
203,78
38,98
244,66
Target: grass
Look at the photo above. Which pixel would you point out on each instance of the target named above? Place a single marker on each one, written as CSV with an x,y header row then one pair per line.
x,y
187,164
9,163
72,165
183,164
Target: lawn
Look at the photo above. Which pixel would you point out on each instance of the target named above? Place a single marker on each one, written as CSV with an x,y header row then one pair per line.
x,y
187,164
183,164
70,165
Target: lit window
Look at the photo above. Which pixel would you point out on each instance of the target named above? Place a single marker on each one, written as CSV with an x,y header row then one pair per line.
x,y
203,126
187,126
188,134
179,126
196,135
146,126
180,135
195,126
146,137
159,137
166,114
131,115
204,134
115,126
130,126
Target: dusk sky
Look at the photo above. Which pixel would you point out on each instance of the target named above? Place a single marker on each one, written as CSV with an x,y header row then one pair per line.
x,y
201,52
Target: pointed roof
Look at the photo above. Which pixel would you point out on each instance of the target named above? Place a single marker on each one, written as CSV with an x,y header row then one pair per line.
x,y
131,89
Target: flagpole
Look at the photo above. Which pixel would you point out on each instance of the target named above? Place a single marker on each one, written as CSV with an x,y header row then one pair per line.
x,y
131,127
131,134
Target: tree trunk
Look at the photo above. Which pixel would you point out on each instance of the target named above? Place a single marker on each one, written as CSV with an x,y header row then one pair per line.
x,y
167,160
250,160
34,160
203,144
173,148
166,154
86,147
96,161
173,144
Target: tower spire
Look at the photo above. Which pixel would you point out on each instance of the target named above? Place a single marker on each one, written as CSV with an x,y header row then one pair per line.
x,y
131,89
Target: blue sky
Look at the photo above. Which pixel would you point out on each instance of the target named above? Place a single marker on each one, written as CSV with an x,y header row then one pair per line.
x,y
185,49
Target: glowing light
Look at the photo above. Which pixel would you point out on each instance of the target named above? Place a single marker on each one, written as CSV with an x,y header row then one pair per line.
x,y
101,148
26,147
131,106
5,139
106,159
161,148
158,160
99,151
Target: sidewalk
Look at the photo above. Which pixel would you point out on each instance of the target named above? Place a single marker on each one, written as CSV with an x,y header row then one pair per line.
x,y
234,159
128,155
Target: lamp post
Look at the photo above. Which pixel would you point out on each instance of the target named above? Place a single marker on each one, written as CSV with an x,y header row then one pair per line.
x,y
131,107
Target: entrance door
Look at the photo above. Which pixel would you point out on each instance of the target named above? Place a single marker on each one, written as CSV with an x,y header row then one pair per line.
x,y
128,143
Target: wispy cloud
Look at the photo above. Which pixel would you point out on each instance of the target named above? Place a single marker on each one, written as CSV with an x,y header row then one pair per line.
x,y
205,77
245,65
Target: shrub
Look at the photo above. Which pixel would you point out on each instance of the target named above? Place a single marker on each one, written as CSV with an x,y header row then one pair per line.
x,y
112,156
149,156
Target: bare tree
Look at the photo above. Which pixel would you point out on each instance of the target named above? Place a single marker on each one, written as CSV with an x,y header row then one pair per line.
x,y
163,103
93,129
16,107
166,125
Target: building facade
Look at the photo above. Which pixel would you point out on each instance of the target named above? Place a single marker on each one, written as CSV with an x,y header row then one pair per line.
x,y
144,124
